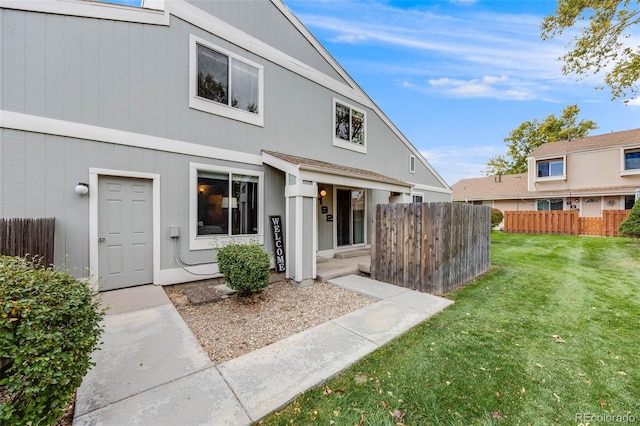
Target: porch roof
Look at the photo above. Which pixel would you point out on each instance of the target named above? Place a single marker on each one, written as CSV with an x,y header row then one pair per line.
x,y
330,173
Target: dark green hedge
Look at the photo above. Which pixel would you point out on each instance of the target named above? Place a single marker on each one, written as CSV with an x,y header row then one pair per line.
x,y
49,325
630,227
245,267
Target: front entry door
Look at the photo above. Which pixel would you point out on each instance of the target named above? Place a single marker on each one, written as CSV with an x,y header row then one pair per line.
x,y
350,216
125,247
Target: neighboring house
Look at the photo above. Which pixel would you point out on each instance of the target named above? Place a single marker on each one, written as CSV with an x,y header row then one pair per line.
x,y
191,123
590,175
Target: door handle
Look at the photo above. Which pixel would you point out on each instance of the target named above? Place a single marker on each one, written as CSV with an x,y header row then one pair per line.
x,y
101,239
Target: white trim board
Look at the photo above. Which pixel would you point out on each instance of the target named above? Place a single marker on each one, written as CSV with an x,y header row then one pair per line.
x,y
36,124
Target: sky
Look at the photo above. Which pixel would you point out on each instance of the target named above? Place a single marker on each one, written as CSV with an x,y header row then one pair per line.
x,y
457,76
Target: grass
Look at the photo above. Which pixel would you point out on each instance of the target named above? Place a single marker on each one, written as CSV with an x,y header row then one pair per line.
x,y
550,332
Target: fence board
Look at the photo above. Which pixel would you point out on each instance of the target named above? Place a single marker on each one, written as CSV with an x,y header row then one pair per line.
x,y
32,238
431,247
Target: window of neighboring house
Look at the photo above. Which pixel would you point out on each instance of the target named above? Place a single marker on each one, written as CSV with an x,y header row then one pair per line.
x,y
629,201
226,204
225,84
412,163
349,127
632,159
550,168
552,204
417,198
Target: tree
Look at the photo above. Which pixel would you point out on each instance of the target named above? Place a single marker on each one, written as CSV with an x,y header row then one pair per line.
x,y
630,227
602,44
531,134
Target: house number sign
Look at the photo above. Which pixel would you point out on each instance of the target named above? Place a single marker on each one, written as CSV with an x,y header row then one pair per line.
x,y
278,243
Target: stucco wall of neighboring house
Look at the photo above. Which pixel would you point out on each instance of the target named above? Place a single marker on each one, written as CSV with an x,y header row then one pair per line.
x,y
586,170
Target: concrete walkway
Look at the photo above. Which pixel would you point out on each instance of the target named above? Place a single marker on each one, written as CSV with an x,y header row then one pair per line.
x,y
150,369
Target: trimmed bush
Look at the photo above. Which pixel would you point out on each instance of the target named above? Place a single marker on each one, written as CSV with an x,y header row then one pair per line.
x,y
496,217
49,325
630,227
245,267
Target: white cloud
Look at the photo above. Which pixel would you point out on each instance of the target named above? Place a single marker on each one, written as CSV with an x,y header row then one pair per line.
x,y
454,163
496,87
635,102
446,47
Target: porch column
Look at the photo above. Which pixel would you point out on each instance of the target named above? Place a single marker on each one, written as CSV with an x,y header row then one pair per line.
x,y
301,230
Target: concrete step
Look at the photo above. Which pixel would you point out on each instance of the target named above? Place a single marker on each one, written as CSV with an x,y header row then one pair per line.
x,y
321,259
365,268
325,276
353,253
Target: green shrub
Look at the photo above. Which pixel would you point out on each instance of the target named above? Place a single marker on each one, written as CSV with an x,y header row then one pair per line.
x,y
245,267
496,217
49,325
630,227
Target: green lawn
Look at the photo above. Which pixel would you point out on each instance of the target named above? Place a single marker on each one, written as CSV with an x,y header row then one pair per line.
x,y
550,332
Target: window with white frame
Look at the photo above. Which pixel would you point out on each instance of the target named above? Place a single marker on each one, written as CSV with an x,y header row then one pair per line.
x,y
412,163
632,159
146,4
224,83
550,168
418,198
349,127
552,204
225,203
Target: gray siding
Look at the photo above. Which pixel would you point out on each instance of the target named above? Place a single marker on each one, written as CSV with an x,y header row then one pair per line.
x,y
135,78
265,22
40,173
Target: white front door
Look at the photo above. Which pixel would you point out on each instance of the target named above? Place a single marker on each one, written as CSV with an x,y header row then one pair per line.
x,y
125,240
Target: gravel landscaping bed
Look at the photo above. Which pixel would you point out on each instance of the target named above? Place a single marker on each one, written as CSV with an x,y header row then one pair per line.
x,y
232,326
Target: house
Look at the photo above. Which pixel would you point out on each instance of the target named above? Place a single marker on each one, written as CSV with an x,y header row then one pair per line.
x,y
154,133
589,174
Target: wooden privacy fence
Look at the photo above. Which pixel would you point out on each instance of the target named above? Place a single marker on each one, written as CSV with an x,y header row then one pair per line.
x,y
32,237
542,222
431,247
565,222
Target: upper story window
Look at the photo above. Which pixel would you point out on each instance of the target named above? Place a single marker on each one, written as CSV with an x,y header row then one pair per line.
x,y
412,163
146,4
632,159
349,127
550,168
225,84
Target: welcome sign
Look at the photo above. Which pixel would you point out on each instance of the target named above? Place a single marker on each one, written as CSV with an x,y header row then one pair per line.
x,y
278,243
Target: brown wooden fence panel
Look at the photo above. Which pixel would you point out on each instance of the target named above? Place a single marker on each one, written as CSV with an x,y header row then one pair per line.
x,y
542,222
28,237
564,222
431,247
590,226
611,221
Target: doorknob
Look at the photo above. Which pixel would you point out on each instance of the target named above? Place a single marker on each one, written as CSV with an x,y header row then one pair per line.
x,y
101,239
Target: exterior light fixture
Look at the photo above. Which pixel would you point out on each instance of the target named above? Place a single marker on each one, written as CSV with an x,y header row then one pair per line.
x,y
82,188
322,194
